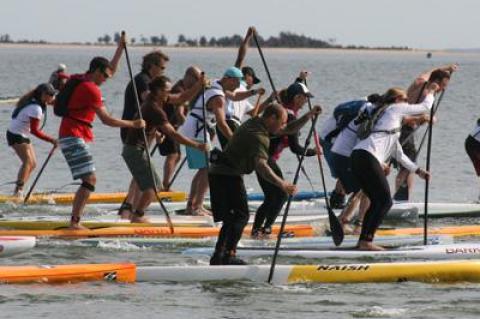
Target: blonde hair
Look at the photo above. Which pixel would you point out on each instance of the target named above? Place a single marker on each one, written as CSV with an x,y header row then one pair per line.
x,y
392,94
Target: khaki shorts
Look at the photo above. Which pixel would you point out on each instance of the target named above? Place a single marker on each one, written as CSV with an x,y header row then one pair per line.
x,y
137,163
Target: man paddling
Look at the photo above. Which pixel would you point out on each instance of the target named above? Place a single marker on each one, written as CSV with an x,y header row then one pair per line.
x,y
76,128
416,94
246,151
134,148
153,65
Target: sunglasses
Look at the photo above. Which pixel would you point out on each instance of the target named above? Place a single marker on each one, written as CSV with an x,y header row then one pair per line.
x,y
105,74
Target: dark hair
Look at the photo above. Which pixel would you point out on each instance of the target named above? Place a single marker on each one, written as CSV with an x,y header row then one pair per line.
x,y
157,83
99,63
438,75
285,98
374,98
153,58
33,96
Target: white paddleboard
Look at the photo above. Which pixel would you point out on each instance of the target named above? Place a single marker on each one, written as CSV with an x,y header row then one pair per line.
x,y
12,245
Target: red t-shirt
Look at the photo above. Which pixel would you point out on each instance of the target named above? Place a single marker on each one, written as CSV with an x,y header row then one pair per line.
x,y
85,100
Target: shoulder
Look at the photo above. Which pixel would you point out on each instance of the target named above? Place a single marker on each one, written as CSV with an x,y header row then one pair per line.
x,y
89,87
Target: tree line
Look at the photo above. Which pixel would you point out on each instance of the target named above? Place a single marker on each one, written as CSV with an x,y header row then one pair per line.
x,y
283,40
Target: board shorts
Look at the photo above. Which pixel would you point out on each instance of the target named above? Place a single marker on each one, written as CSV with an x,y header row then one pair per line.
x,y
136,159
78,156
13,138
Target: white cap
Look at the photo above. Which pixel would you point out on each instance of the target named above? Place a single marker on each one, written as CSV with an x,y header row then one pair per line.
x,y
62,67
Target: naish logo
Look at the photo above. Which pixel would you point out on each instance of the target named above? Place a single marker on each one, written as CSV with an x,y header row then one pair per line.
x,y
463,250
110,276
343,267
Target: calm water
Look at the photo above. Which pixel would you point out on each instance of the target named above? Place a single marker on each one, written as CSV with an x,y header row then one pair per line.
x,y
336,77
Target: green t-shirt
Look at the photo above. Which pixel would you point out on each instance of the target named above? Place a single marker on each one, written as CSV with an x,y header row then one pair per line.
x,y
249,142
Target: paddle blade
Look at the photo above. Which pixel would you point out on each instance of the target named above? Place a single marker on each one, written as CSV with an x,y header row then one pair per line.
x,y
336,228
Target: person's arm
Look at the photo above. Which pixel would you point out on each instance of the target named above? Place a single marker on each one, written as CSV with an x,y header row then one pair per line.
x,y
262,168
258,108
35,130
242,95
118,53
187,95
242,50
109,120
180,114
170,131
296,148
217,106
294,126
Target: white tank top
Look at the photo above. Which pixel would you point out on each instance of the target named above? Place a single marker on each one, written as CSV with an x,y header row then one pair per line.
x,y
194,123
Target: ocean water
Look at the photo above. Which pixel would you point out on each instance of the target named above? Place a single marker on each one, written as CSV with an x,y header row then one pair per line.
x,y
336,76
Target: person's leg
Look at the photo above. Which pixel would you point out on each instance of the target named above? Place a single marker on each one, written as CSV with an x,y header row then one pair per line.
x,y
364,205
220,208
27,156
171,162
200,192
142,203
80,200
374,184
127,206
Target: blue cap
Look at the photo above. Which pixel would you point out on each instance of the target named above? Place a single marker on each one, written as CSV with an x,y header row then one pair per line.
x,y
233,72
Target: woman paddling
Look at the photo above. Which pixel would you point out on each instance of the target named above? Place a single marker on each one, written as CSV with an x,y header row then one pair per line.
x,y
293,98
26,119
370,155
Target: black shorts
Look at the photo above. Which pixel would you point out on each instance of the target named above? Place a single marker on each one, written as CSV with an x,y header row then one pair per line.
x,y
169,146
472,146
16,139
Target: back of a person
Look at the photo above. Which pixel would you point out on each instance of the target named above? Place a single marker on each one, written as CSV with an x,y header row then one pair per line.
x,y
82,106
21,123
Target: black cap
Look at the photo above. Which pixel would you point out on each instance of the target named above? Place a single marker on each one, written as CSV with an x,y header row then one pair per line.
x,y
46,88
99,62
246,70
298,88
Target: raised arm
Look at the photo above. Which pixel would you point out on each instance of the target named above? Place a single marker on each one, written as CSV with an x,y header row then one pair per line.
x,y
242,95
118,53
242,50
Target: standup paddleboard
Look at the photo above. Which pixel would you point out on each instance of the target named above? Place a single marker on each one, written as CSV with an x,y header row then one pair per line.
x,y
68,273
67,198
12,245
440,210
189,232
469,230
50,223
432,252
431,272
302,242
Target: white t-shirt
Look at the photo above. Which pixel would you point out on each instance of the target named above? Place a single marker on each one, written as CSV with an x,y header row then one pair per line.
x,y
238,109
329,125
347,138
21,124
383,145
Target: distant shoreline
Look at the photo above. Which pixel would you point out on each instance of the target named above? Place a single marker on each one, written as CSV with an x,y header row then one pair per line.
x,y
174,47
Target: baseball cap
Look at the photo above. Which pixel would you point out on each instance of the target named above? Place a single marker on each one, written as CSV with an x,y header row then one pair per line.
x,y
248,70
233,72
46,88
298,88
61,67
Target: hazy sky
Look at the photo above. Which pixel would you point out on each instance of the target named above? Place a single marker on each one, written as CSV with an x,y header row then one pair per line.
x,y
433,24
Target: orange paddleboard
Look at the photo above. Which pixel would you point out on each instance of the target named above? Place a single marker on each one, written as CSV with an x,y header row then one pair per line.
x,y
68,273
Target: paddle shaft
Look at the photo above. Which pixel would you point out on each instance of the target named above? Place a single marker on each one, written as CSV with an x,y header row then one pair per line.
x,y
39,174
205,125
427,167
265,66
289,202
335,225
144,134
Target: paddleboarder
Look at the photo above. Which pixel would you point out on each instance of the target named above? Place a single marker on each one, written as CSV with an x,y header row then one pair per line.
x,y
416,94
84,104
156,120
375,147
26,118
248,150
293,99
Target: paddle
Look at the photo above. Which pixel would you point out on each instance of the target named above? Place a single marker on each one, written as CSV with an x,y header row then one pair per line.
x,y
335,225
427,167
137,102
290,197
39,174
272,85
204,114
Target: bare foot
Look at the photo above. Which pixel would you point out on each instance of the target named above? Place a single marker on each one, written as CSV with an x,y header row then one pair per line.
x,y
357,230
347,229
125,214
77,226
368,245
139,219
